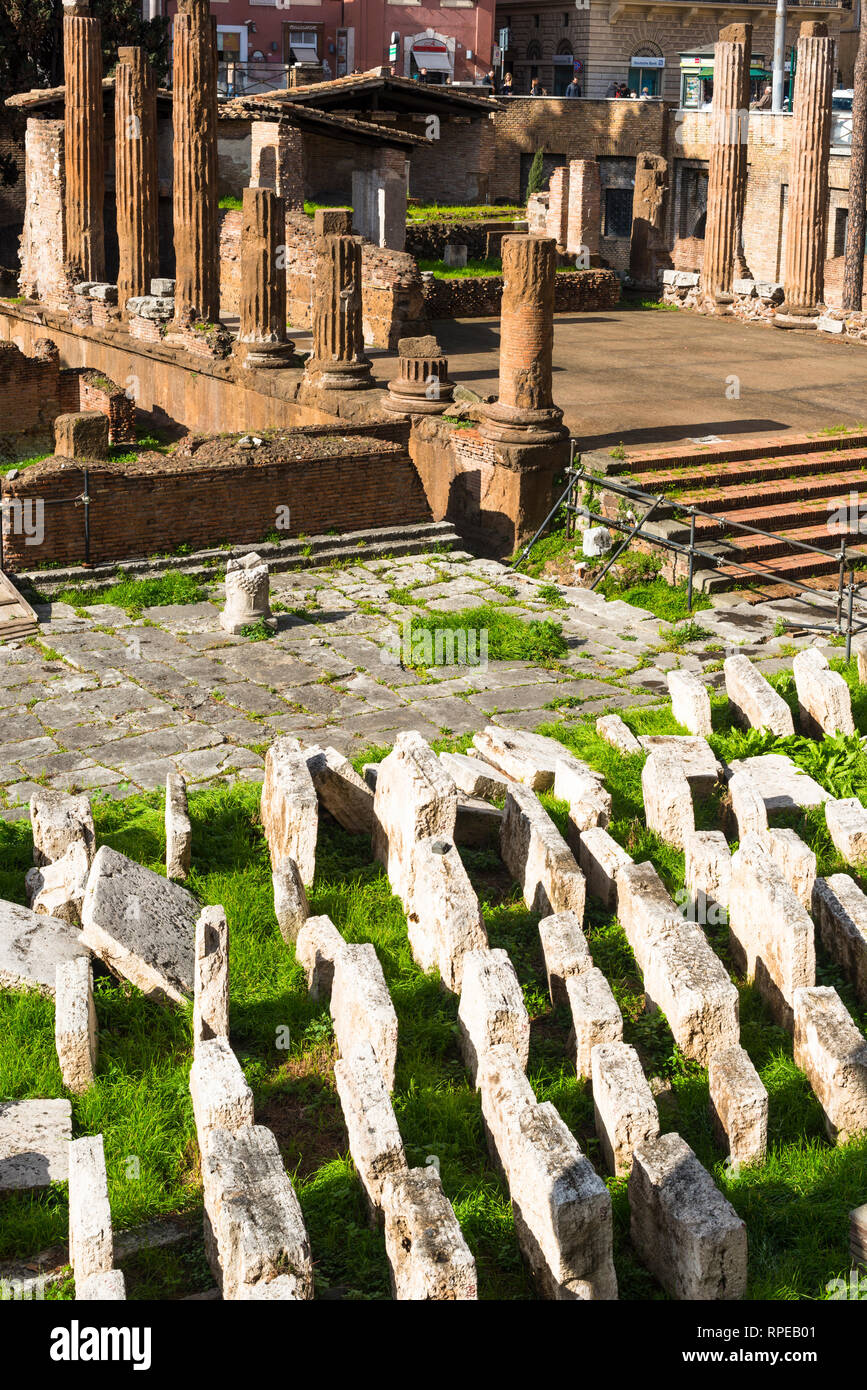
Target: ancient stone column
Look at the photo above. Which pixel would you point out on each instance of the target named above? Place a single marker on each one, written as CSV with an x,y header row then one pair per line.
x,y
727,166
524,410
262,340
338,359
194,115
422,386
557,220
807,226
84,144
136,181
647,251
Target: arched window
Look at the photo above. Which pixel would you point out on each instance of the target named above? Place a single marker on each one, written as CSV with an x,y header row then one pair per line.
x,y
564,47
534,50
645,69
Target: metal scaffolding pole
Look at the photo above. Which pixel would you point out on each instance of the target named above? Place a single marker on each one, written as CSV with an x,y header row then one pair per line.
x,y
779,57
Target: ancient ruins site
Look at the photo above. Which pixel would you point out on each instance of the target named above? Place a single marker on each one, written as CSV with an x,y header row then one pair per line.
x,y
433,695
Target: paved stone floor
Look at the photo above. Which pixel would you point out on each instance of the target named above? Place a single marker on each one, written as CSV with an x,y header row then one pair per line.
x,y
106,703
617,370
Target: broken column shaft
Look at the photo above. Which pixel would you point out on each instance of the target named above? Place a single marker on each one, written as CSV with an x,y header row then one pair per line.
x,y
338,360
262,338
727,166
136,181
806,233
84,144
524,410
194,115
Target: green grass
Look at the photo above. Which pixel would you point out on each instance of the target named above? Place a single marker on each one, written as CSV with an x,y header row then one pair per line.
x,y
468,212
231,204
509,638
664,600
134,595
473,268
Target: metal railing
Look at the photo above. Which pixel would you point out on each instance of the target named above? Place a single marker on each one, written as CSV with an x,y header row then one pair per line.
x,y
847,559
246,79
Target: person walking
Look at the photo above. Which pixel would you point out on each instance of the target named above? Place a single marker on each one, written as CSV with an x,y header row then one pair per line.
x,y
507,85
573,90
536,88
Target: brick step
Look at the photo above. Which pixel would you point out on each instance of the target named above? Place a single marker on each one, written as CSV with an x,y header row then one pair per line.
x,y
311,553
785,517
678,457
774,499
766,547
758,470
781,567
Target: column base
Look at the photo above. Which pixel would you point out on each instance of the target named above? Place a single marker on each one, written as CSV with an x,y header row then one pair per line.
x,y
338,376
794,316
267,355
411,398
508,424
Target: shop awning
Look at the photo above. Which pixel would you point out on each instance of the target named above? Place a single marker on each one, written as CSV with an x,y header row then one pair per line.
x,y
759,72
705,72
304,53
434,59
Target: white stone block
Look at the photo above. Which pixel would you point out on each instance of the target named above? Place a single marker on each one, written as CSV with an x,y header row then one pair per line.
x,y
771,935
91,1244
57,889
646,912
700,765
847,825
589,802
427,1253
748,805
59,820
565,950
444,920
823,696
491,1009
690,702
317,948
667,800
596,1016
623,1104
290,810
344,794
361,1007
108,1287
686,979
615,731
75,1035
538,857
840,912
221,1097
416,799
754,702
474,776
34,1142
832,1051
179,829
290,900
738,1105
211,984
781,785
374,1136
599,858
708,874
795,860
529,758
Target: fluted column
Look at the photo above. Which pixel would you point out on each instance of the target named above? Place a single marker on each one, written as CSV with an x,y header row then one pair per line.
x,y
262,338
807,226
727,166
135,177
197,259
84,144
525,408
338,359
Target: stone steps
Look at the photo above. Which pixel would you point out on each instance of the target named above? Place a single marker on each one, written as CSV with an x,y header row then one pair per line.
x,y
682,456
761,468
313,552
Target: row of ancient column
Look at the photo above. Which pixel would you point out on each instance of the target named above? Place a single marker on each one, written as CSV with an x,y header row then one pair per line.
x,y
197,273
806,232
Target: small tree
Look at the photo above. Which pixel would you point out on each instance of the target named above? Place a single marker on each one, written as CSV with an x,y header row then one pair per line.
x,y
536,179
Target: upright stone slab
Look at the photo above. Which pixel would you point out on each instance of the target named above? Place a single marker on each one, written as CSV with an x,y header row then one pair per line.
x,y
690,702
211,983
781,785
599,858
682,1227
795,860
589,801
615,731
529,758
667,800
195,190
809,153
491,1009
338,362
708,874
771,935
538,857
754,702
475,776
374,1137
565,950
824,702
108,1287
561,1208
91,1244
584,220
738,1105
686,979
646,912
727,164
623,1105
57,889
846,820
648,252
840,913
136,179
220,1094
141,926
415,799
289,812
75,1035
832,1051
340,789
262,340
58,821
524,410
179,829
427,1253
34,1143
32,946
84,143
361,1007
698,762
255,1238
596,1017
290,900
748,806
445,919
317,949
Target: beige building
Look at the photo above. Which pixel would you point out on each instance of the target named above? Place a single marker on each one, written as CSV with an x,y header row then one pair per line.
x,y
640,42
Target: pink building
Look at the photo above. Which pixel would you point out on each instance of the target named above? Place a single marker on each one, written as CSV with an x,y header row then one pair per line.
x,y
451,39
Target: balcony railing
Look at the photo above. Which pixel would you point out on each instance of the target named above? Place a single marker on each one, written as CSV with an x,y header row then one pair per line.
x,y
245,79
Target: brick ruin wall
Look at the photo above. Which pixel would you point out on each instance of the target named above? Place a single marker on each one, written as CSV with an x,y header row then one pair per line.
x,y
161,502
35,390
480,296
392,300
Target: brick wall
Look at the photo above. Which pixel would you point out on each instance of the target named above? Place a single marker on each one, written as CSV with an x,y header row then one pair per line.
x,y
217,493
35,390
479,296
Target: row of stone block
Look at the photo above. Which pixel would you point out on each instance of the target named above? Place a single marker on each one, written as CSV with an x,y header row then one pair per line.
x,y
824,703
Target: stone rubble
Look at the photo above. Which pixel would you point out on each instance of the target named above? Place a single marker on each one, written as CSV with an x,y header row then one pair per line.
x,y
444,919
738,1105
840,912
754,702
474,776
427,1254
770,933
75,1033
538,857
179,829
528,758
618,734
824,704
832,1052
361,1007
415,799
290,900
290,810
683,1229
374,1137
623,1105
141,926
344,794
491,1009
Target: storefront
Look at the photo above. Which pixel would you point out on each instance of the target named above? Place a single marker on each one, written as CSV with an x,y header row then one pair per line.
x,y
696,77
646,70
432,56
